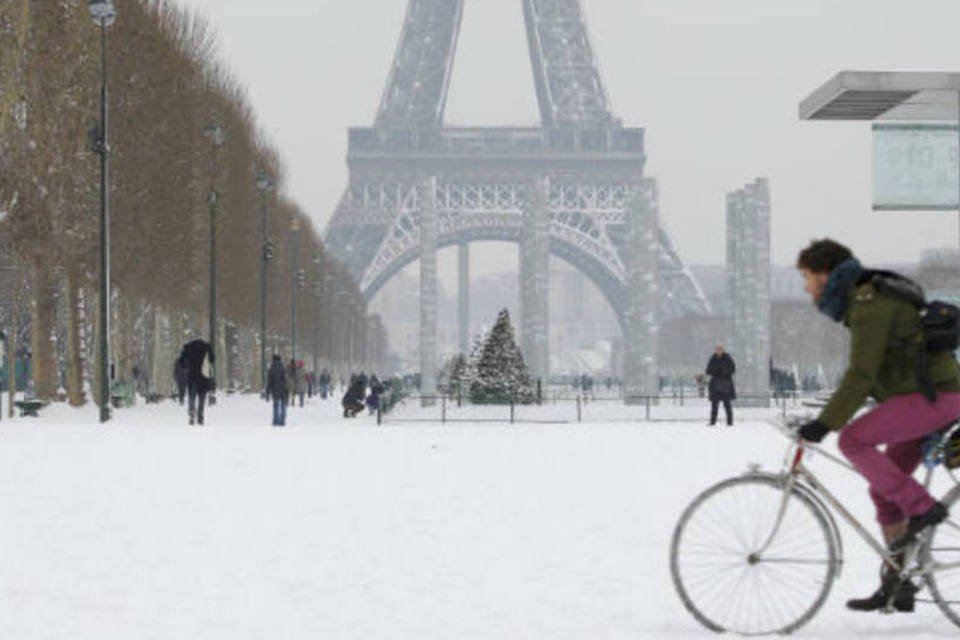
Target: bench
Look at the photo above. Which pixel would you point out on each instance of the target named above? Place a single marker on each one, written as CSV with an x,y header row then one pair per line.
x,y
29,408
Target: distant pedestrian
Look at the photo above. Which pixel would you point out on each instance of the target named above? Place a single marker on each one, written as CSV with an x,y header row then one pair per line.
x,y
324,384
300,381
199,358
291,381
181,371
721,368
373,399
277,390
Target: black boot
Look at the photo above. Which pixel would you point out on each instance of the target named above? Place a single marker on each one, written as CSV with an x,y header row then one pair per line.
x,y
890,584
903,600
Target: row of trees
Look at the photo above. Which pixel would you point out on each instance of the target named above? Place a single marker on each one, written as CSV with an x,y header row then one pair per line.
x,y
166,89
494,372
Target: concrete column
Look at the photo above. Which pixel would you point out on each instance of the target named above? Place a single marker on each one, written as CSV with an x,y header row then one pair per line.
x,y
642,325
748,279
463,297
428,289
535,280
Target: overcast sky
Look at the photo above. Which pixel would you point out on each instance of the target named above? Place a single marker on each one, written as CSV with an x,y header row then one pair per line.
x,y
716,84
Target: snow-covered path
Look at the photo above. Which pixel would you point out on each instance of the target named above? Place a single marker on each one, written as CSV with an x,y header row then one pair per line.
x,y
150,529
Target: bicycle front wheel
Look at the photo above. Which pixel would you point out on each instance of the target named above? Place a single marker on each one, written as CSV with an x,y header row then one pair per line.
x,y
739,566
941,555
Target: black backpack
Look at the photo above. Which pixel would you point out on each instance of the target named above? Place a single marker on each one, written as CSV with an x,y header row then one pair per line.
x,y
939,320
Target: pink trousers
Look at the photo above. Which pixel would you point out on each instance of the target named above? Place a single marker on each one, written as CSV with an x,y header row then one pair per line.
x,y
901,423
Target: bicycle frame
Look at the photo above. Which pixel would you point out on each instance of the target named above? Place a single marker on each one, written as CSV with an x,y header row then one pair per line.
x,y
795,470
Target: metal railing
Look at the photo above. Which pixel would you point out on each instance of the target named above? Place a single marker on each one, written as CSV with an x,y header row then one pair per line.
x,y
557,408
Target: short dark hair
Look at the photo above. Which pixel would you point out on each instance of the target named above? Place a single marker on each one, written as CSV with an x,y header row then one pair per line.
x,y
823,256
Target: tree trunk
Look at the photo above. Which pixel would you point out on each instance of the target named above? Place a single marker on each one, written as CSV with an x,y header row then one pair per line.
x,y
45,370
12,361
75,393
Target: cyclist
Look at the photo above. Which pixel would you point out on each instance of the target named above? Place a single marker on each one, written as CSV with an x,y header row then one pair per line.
x,y
883,365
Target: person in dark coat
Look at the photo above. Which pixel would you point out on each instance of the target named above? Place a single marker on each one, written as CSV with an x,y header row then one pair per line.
x,y
376,390
353,398
721,368
199,358
180,375
277,390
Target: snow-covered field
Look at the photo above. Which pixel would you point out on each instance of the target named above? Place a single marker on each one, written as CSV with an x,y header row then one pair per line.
x,y
150,529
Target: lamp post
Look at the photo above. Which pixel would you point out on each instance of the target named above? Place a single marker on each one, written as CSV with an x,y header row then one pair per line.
x,y
214,133
317,292
294,282
104,14
264,185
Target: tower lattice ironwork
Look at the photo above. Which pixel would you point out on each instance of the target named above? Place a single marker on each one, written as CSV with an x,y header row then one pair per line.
x,y
573,187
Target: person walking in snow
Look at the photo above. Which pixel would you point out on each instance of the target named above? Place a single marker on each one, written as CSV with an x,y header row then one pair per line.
x,y
199,358
373,399
300,381
181,372
721,368
277,390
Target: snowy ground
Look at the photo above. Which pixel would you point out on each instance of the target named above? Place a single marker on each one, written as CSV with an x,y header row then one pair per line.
x,y
149,529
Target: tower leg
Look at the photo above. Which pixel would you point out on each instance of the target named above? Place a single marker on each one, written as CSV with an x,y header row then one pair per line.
x,y
463,297
428,291
641,369
535,280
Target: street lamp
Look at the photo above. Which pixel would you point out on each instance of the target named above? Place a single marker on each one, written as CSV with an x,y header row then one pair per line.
x,y
214,133
264,185
104,14
316,308
294,282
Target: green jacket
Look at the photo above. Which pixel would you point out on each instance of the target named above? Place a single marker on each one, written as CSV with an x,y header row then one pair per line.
x,y
884,331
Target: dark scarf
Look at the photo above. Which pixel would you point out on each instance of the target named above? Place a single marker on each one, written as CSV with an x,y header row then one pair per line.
x,y
833,302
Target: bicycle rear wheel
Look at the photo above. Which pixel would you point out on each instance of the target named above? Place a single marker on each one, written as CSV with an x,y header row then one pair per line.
x,y
939,552
726,584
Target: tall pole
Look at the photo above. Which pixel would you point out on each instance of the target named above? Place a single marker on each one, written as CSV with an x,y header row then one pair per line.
x,y
316,310
263,284
294,228
104,339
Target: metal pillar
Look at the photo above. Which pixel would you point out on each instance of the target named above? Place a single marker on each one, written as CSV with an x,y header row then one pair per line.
x,y
264,258
104,305
428,291
294,284
463,297
535,278
641,368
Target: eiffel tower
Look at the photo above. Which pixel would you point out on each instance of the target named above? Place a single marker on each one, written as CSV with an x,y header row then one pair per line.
x,y
573,187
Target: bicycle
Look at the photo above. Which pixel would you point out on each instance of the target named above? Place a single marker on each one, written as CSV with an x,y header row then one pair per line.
x,y
758,553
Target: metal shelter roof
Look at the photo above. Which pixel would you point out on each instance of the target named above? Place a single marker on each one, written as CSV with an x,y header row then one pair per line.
x,y
885,95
